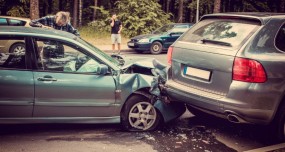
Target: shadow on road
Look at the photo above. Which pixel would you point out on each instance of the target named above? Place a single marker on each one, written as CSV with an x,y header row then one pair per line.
x,y
190,134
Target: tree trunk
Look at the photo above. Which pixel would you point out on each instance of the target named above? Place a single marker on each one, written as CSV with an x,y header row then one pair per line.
x,y
94,12
80,13
167,6
55,6
217,6
34,9
180,12
282,6
46,7
75,13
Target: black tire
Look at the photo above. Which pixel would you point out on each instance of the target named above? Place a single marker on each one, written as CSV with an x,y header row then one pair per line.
x,y
140,121
18,48
156,48
197,112
278,127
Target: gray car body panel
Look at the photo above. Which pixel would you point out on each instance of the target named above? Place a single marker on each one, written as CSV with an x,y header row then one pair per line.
x,y
69,106
253,102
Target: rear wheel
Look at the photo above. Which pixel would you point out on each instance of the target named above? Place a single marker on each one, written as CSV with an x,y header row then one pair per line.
x,y
18,48
139,114
156,48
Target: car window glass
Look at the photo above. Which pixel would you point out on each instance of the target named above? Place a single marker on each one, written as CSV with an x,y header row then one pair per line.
x,y
12,53
279,42
3,22
163,29
14,22
179,29
229,31
61,57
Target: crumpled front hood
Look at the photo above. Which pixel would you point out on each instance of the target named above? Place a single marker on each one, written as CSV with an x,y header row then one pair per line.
x,y
143,36
138,61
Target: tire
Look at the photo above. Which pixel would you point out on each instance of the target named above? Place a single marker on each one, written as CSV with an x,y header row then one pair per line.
x,y
279,124
139,114
18,48
156,48
197,112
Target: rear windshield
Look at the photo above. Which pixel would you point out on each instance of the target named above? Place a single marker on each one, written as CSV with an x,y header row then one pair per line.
x,y
227,32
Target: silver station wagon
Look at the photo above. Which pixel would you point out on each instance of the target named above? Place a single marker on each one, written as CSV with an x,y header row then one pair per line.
x,y
231,65
60,78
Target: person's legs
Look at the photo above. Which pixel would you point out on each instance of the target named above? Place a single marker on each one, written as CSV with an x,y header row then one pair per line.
x,y
119,48
113,39
119,41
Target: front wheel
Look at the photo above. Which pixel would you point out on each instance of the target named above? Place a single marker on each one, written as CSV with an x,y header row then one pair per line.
x,y
156,48
139,114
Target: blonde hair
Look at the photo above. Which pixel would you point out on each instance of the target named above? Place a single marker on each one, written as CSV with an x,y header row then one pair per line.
x,y
62,16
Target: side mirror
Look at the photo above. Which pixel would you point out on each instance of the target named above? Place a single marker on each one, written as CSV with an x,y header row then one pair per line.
x,y
102,69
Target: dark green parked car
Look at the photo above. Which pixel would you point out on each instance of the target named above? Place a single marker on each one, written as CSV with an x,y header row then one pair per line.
x,y
60,78
159,39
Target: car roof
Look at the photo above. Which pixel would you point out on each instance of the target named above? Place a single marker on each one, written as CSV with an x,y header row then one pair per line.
x,y
181,24
35,31
263,17
18,18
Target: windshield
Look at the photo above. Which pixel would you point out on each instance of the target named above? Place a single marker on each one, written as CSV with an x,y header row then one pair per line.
x,y
163,29
103,54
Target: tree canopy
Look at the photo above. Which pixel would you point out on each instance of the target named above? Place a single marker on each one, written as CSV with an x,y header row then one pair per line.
x,y
138,16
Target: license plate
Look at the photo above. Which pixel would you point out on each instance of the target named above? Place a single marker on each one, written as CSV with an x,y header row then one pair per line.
x,y
198,73
131,44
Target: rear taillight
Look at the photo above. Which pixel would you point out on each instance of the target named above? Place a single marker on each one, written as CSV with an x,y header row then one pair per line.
x,y
248,71
169,55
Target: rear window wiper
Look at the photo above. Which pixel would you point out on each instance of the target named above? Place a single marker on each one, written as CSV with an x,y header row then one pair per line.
x,y
216,42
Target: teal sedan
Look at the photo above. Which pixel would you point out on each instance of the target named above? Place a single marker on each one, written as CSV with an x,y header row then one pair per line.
x,y
160,39
60,78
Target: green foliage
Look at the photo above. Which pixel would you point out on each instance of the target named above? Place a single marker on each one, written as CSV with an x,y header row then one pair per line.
x,y
17,11
141,16
102,24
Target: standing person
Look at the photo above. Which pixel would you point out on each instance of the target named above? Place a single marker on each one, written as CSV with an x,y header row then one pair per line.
x,y
60,21
116,32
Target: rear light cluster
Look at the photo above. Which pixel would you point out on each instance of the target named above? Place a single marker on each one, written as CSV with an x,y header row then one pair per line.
x,y
169,55
248,71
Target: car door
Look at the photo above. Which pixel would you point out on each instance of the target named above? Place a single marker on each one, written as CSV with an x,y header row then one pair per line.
x,y
66,83
16,82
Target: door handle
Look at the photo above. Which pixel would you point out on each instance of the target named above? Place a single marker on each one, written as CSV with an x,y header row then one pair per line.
x,y
47,78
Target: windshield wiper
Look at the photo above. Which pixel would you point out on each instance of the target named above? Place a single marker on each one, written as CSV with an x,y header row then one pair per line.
x,y
216,42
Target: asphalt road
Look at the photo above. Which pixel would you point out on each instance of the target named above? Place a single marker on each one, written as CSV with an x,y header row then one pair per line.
x,y
188,133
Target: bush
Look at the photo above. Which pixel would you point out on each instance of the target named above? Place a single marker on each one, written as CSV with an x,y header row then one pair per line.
x,y
141,16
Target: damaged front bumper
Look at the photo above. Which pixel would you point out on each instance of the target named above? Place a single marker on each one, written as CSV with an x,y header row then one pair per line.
x,y
169,110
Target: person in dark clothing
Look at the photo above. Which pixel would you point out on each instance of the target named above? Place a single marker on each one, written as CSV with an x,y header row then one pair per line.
x,y
116,32
60,21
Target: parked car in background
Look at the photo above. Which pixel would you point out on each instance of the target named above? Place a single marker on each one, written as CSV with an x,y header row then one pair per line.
x,y
159,39
13,46
61,78
231,65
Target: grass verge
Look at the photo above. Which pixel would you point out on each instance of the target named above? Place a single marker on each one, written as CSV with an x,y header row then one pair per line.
x,y
97,37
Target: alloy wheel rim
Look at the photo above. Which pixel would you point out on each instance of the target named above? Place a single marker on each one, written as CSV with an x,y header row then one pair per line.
x,y
156,48
19,50
142,116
